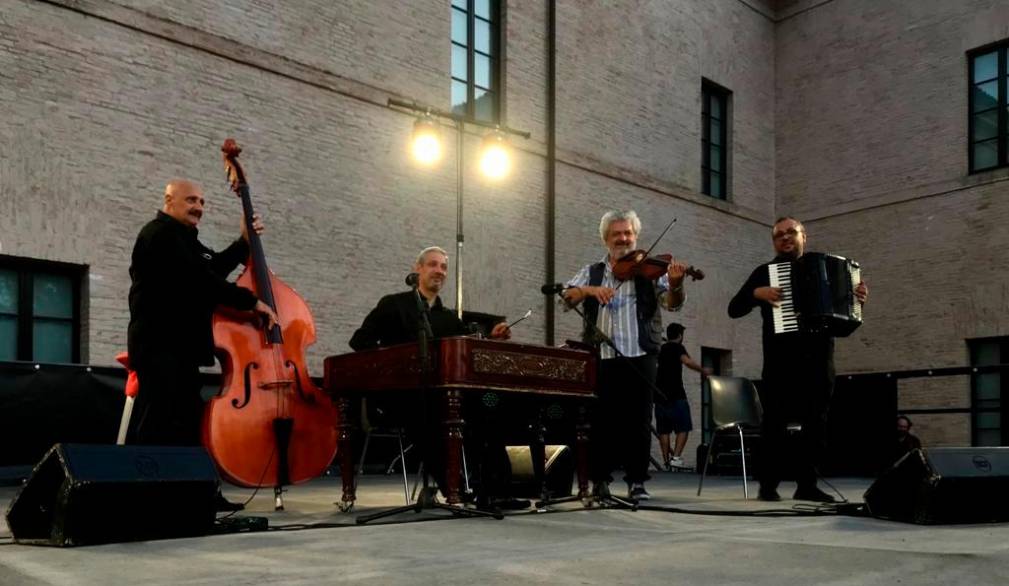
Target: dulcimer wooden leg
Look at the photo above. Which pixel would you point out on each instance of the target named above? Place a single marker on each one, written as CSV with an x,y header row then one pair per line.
x,y
345,432
453,445
582,428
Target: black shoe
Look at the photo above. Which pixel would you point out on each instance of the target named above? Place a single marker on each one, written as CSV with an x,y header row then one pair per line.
x,y
769,495
814,494
637,492
223,505
511,504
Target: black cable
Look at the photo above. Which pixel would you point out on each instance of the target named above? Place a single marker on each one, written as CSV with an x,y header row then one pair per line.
x,y
797,511
259,485
844,499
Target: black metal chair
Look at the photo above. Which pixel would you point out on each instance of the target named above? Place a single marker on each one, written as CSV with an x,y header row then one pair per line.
x,y
734,405
376,425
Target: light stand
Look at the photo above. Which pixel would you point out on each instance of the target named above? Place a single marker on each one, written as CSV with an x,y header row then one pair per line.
x,y
459,123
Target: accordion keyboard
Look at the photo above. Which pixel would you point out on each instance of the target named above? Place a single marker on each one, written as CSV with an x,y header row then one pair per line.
x,y
856,278
785,317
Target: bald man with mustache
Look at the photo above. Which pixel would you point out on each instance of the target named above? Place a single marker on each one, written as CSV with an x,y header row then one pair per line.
x,y
177,282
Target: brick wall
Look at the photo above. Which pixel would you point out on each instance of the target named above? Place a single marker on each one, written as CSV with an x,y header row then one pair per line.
x,y
850,114
871,146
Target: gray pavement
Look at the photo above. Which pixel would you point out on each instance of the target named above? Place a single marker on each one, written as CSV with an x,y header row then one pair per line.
x,y
568,546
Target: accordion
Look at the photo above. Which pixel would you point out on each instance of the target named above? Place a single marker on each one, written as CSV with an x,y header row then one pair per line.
x,y
818,295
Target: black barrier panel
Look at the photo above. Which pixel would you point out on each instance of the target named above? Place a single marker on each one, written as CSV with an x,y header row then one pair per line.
x,y
944,485
46,404
41,405
87,494
860,426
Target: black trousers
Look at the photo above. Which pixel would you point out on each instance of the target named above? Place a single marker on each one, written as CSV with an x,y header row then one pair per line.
x,y
168,409
620,434
797,392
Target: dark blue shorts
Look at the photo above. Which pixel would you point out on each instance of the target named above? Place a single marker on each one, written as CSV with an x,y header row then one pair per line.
x,y
673,418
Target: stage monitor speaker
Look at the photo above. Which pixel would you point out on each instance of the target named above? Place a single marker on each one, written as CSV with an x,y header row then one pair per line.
x,y
944,485
559,471
82,494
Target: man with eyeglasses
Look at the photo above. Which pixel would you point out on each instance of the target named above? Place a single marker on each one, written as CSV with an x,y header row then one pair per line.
x,y
798,376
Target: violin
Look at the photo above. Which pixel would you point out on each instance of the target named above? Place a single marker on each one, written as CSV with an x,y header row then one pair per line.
x,y
637,263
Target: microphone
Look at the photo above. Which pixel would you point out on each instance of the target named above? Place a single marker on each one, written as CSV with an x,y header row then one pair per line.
x,y
412,280
553,288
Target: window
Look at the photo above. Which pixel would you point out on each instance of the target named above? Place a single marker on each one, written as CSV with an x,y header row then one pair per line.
x,y
715,140
39,310
476,59
987,97
987,392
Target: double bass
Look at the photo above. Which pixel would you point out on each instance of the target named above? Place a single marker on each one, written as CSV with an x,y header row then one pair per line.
x,y
270,425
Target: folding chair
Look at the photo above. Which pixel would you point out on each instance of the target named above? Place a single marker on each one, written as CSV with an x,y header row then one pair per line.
x,y
734,405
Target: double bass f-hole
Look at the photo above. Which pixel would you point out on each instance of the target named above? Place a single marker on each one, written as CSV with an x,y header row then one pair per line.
x,y
248,386
270,385
297,383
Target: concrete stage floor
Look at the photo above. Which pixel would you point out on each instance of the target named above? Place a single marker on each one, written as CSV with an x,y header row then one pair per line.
x,y
573,546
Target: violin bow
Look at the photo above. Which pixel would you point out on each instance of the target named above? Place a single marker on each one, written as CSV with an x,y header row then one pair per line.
x,y
668,226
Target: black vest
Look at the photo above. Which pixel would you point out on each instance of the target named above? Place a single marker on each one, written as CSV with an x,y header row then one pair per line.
x,y
649,317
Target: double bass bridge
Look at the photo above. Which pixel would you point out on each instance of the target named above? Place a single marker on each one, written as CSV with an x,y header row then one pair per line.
x,y
275,384
272,385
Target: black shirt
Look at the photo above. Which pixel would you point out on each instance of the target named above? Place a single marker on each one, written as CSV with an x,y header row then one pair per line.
x,y
783,352
670,375
176,284
904,445
395,320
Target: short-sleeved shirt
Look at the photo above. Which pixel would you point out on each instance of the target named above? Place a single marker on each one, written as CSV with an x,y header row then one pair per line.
x,y
670,375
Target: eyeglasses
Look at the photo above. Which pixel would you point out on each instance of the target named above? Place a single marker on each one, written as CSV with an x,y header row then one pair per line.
x,y
793,232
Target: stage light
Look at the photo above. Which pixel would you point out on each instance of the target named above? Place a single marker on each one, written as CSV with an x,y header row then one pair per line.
x,y
495,155
426,145
426,148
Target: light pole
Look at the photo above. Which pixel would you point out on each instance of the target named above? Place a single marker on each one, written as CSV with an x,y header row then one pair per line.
x,y
495,161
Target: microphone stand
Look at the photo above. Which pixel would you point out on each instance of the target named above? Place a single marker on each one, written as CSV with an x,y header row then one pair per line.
x,y
606,499
428,497
599,335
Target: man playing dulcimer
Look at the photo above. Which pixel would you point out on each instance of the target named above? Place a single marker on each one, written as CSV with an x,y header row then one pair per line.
x,y
628,314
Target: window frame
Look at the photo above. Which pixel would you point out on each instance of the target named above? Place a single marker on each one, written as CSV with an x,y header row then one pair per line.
x,y
973,345
710,90
26,269
1002,132
495,23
